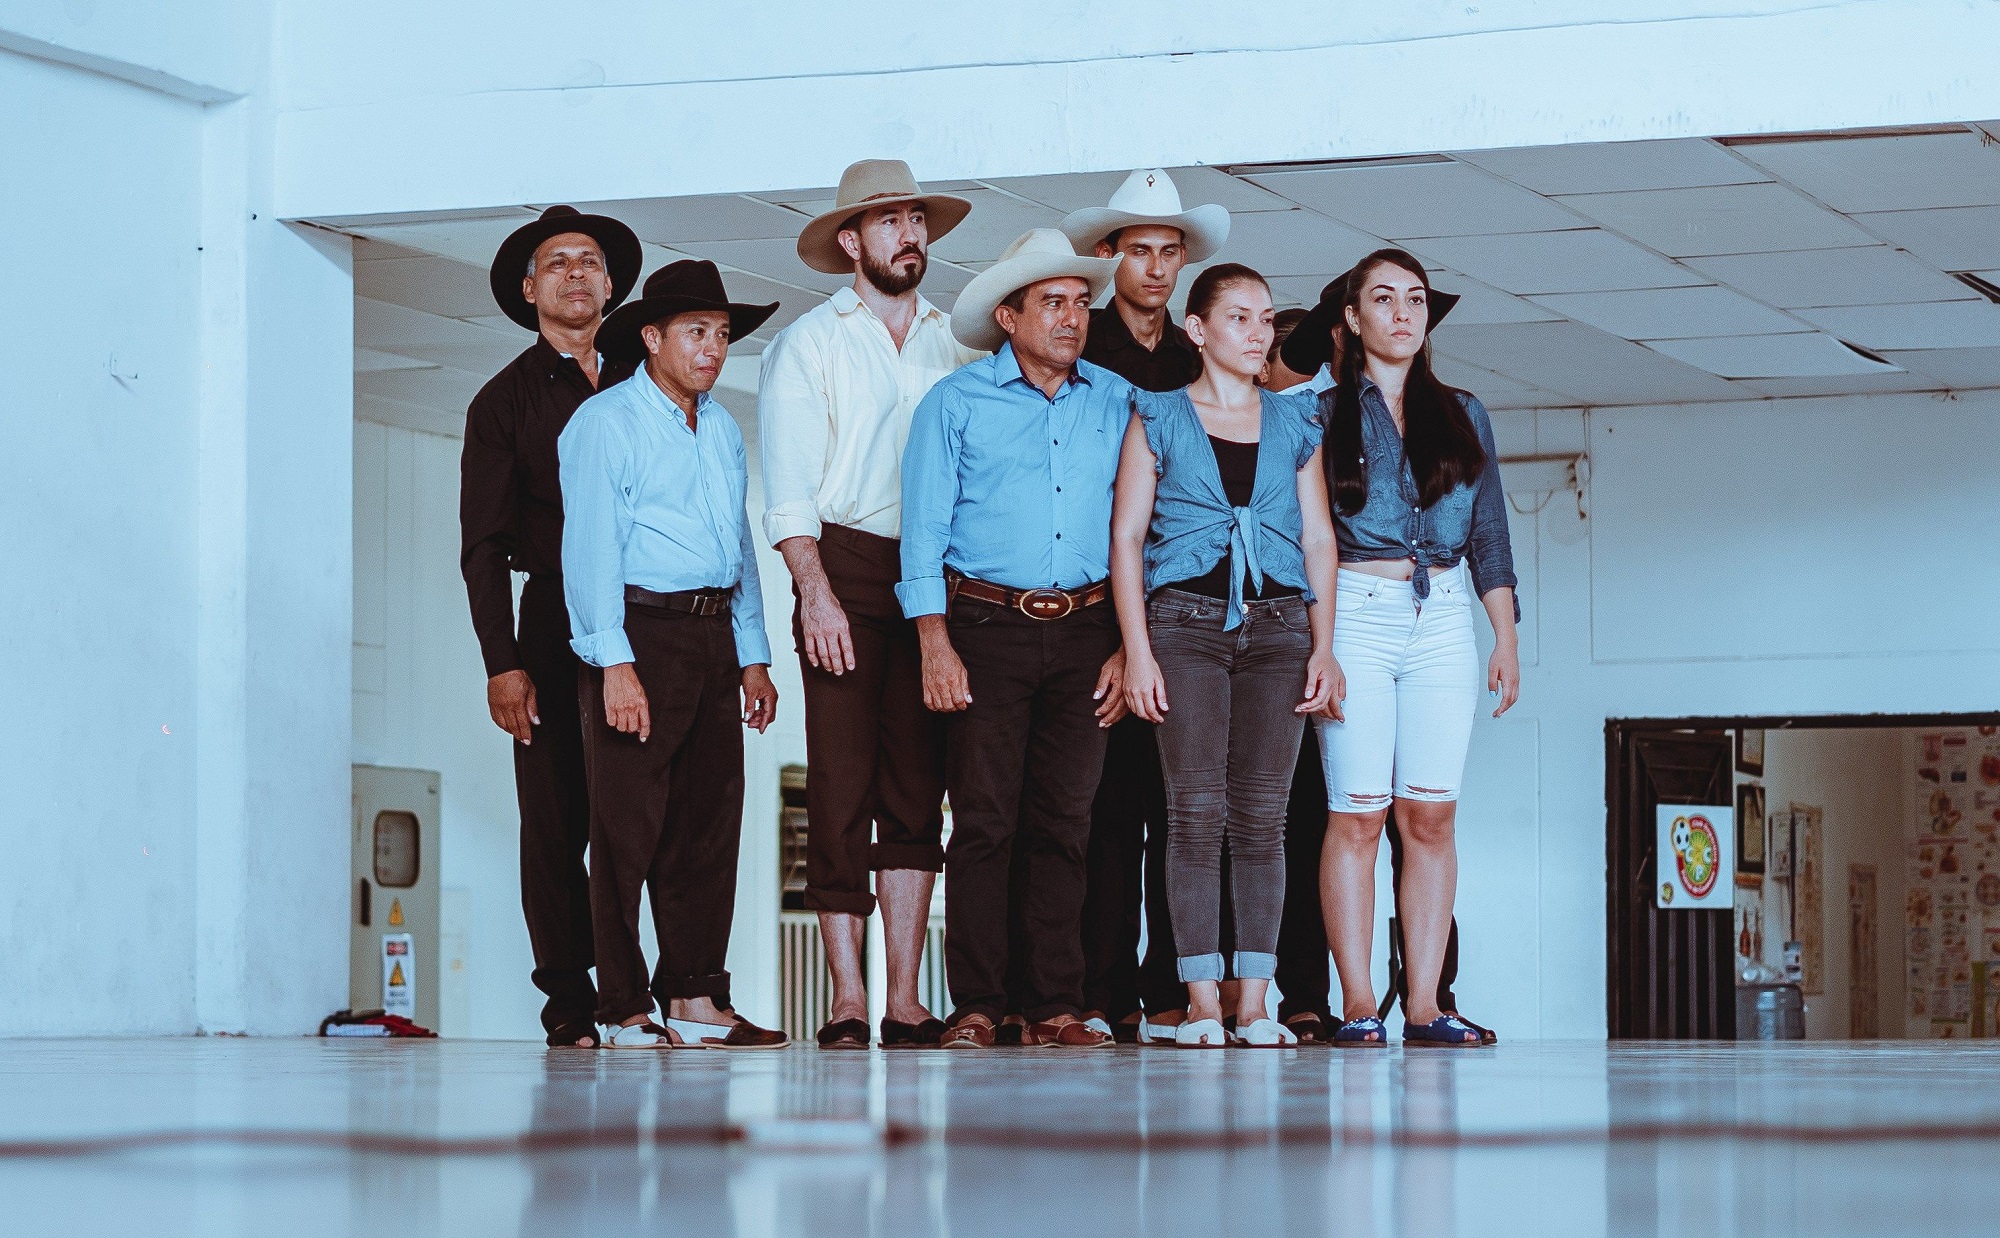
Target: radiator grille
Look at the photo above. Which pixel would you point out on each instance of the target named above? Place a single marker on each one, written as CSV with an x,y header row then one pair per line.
x,y
805,991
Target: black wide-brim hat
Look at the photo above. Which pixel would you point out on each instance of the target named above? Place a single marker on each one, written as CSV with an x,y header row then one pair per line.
x,y
620,244
685,287
1310,345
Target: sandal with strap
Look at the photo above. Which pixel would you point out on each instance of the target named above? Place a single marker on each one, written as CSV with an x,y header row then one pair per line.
x,y
924,1034
1201,1034
1310,1029
572,1035
1264,1034
1366,1032
1151,1033
647,1035
1487,1036
741,1034
1076,1034
843,1034
971,1032
1447,1031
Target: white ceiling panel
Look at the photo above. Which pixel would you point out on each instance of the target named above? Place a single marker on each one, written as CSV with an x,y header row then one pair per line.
x,y
420,417
1611,167
1197,186
434,386
1581,361
1671,313
1951,324
1803,355
398,328
1402,201
1722,219
1876,275
776,259
1294,242
1962,369
1586,260
1479,304
485,357
717,217
1496,390
1840,384
1887,173
1965,238
367,360
433,285
469,239
995,221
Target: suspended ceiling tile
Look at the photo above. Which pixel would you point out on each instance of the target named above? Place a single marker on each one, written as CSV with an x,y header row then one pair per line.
x,y
1580,361
482,357
1584,260
1495,390
419,417
716,217
774,259
367,360
1670,313
398,328
432,387
1965,238
1407,200
1950,324
367,249
433,285
500,323
1887,173
1292,243
1960,368
1806,354
1876,275
1722,219
995,221
1196,186
473,239
1479,304
1839,384
1610,167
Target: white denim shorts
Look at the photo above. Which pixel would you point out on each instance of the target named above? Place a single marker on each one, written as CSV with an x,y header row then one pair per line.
x,y
1412,690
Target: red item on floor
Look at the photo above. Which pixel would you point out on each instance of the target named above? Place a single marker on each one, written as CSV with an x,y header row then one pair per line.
x,y
371,1023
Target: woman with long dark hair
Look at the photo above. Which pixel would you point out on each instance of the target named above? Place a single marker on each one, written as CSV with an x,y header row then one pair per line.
x,y
1222,561
1422,526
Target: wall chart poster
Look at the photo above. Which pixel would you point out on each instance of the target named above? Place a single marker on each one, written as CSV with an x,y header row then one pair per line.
x,y
1697,856
1863,1022
1952,912
1808,893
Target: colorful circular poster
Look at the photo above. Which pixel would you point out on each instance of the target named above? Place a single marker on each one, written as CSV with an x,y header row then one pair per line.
x,y
1697,853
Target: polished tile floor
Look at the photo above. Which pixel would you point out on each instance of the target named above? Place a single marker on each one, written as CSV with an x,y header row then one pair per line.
x,y
283,1138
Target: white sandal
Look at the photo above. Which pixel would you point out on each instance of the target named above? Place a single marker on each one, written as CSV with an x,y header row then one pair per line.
x,y
648,1035
1201,1034
1157,1033
1266,1034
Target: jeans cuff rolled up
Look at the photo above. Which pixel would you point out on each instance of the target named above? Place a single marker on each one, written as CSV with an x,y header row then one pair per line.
x,y
1195,967
1250,965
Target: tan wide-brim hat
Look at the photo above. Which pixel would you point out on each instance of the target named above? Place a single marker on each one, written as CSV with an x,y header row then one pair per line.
x,y
1036,255
1149,198
871,183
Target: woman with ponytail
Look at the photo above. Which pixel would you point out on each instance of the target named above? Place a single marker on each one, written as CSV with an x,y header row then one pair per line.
x,y
1422,527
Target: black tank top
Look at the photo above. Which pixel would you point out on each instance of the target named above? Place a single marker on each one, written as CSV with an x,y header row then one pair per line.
x,y
1237,462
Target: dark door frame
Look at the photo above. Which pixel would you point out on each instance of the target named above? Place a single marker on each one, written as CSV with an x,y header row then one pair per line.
x,y
1618,733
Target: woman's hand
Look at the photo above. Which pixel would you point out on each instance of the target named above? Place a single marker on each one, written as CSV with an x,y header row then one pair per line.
x,y
1145,687
1336,689
1322,674
1503,676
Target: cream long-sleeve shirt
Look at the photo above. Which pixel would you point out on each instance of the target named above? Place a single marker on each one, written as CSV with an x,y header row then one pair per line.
x,y
834,400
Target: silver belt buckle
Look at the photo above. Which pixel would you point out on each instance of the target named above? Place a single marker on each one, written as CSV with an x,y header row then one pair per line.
x,y
1045,604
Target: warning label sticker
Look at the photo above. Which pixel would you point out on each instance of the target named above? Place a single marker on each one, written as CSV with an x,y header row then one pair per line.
x,y
399,975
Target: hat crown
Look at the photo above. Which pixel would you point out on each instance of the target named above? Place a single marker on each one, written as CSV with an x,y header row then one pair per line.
x,y
875,178
1149,191
693,278
1038,241
560,212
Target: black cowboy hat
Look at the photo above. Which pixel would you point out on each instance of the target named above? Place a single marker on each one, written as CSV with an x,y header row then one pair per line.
x,y
1310,345
619,243
682,287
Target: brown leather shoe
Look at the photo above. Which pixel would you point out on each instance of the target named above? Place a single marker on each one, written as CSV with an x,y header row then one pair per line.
x,y
1073,1035
740,1034
972,1032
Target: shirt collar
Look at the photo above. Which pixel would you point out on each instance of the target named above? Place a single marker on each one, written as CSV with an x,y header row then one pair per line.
x,y
1007,369
846,301
1108,325
650,391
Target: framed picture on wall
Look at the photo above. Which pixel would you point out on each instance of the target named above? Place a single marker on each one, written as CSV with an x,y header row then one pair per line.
x,y
1750,752
1750,828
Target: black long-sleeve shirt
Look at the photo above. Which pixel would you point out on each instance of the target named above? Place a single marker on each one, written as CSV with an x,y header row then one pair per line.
x,y
510,512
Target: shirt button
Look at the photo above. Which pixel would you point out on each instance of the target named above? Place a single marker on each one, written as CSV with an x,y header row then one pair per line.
x,y
1058,489
1058,537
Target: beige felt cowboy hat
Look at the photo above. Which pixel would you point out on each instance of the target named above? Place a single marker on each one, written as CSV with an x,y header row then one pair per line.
x,y
1036,255
870,183
1149,197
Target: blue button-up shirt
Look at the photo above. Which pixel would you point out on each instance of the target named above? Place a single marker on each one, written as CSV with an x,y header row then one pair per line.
x,y
649,502
1003,484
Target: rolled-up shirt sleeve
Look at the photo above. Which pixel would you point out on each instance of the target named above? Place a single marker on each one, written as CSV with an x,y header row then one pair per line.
x,y
596,521
746,604
794,426
1491,547
930,493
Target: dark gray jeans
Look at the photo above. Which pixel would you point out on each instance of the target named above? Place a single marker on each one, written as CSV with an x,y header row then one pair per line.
x,y
1227,747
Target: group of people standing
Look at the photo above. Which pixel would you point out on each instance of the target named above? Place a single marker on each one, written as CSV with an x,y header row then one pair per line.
x,y
1087,572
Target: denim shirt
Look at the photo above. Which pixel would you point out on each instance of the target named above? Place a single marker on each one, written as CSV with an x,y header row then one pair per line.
x,y
1194,526
1468,522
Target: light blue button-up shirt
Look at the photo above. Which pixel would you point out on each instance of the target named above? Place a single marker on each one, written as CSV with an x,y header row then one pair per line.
x,y
649,502
1003,484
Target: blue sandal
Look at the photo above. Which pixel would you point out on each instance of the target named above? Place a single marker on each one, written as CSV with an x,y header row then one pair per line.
x,y
1362,1033
1447,1031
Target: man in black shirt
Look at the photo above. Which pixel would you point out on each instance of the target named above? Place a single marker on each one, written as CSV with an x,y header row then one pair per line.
x,y
557,276
1134,337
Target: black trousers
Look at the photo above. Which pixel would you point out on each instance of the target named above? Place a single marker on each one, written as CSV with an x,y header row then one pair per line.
x,y
555,812
1127,879
1304,977
874,754
1022,761
666,814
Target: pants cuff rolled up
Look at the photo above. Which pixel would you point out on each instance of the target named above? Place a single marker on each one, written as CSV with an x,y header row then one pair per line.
x,y
667,988
618,1012
1050,1010
914,857
990,1009
846,902
1193,968
1251,965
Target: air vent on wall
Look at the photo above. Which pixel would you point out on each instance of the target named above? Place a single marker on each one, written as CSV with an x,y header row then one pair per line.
x,y
1979,284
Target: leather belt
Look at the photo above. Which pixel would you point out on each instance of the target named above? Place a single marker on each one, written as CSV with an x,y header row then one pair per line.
x,y
700,603
1034,603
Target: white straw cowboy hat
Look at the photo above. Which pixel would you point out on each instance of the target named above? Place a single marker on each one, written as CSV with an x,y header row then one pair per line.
x,y
1036,255
1148,197
872,183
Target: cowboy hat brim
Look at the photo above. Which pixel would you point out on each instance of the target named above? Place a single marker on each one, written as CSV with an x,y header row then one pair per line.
x,y
1310,345
819,243
972,314
1203,229
622,260
620,337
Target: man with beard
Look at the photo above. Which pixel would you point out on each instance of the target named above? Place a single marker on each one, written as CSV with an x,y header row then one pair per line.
x,y
556,276
833,408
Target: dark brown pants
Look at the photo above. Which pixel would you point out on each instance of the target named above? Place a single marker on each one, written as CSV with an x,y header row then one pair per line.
x,y
874,754
666,814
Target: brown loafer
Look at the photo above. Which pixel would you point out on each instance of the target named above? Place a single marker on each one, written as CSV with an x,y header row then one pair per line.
x,y
741,1034
969,1034
1076,1035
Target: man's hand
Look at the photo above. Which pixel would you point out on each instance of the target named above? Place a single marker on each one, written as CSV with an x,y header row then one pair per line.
x,y
829,643
760,697
510,698
947,689
1110,693
625,701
